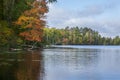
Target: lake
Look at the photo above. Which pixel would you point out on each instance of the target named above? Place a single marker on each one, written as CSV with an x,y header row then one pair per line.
x,y
62,63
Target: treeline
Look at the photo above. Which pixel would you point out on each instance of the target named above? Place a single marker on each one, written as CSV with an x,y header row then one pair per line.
x,y
77,36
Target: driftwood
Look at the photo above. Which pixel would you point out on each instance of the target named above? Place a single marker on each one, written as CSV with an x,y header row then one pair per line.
x,y
30,47
13,49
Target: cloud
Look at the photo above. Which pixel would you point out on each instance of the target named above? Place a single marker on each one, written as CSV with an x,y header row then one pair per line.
x,y
92,11
97,9
105,27
96,17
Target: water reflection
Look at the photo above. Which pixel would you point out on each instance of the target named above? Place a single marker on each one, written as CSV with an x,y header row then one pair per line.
x,y
65,63
81,64
21,66
61,64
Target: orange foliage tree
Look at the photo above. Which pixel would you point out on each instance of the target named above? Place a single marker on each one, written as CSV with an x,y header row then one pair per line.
x,y
32,21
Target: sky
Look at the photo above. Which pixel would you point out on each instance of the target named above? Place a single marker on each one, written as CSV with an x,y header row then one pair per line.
x,y
100,15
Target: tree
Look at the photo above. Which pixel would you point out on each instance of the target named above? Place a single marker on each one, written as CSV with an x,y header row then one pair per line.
x,y
1,9
5,34
77,36
28,15
32,21
116,40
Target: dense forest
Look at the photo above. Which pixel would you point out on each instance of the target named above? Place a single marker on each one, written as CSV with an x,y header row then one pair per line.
x,y
77,36
22,22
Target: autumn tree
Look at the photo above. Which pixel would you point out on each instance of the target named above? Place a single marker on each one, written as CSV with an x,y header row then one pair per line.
x,y
32,21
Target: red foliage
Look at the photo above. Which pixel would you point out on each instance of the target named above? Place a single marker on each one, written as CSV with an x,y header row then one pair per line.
x,y
32,21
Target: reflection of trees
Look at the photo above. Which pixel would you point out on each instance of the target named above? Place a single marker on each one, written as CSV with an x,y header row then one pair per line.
x,y
21,66
30,68
73,58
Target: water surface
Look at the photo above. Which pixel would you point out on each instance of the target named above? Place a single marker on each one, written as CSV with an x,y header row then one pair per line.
x,y
62,63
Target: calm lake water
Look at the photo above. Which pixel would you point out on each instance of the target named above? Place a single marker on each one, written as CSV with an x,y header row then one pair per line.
x,y
62,63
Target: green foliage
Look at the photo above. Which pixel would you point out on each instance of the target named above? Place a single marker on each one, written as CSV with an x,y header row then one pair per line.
x,y
51,1
10,11
15,8
116,40
5,33
1,9
77,36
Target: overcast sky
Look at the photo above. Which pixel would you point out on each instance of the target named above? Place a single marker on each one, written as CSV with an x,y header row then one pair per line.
x,y
100,15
